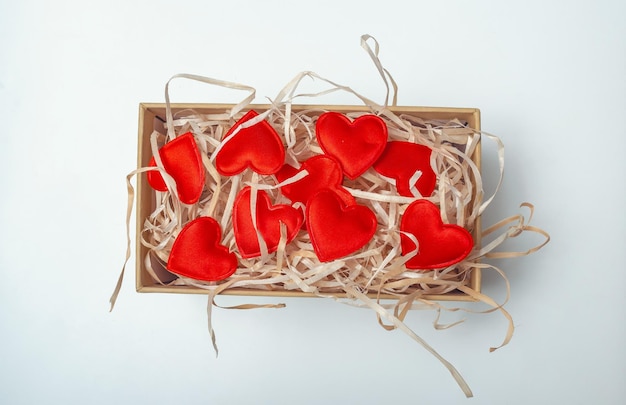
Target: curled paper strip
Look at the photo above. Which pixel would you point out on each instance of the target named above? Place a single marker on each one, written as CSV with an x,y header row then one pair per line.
x,y
382,263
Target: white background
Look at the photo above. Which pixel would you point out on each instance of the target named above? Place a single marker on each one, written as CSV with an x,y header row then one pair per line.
x,y
550,80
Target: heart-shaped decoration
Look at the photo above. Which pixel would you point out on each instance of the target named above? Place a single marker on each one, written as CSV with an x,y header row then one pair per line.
x,y
401,161
198,254
181,160
268,219
440,245
258,147
356,145
336,230
324,174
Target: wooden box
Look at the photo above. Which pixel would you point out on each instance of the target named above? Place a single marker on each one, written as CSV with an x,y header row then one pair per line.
x,y
152,117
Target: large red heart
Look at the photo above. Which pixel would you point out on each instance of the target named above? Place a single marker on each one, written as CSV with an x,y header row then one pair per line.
x,y
401,160
258,147
181,160
198,254
356,145
440,245
268,219
324,174
336,230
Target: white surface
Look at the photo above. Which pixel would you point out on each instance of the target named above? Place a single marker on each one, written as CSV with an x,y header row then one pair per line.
x,y
550,80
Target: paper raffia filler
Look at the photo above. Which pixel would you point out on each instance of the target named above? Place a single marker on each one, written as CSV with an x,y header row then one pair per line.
x,y
364,202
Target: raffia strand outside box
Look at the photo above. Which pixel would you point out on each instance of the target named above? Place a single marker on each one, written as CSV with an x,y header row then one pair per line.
x,y
152,116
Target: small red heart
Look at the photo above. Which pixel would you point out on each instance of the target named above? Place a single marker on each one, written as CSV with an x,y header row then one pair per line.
x,y
440,245
198,254
181,160
401,160
356,145
336,230
324,173
268,219
258,147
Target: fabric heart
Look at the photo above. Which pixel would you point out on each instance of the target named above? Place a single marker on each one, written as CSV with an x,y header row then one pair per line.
x,y
356,145
181,160
401,161
440,245
268,219
336,230
198,254
258,147
324,174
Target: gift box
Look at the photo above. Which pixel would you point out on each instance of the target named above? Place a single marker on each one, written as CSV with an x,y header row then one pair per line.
x,y
457,128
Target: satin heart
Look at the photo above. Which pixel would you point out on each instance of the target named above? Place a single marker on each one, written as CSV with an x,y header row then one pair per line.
x,y
257,147
198,254
336,230
440,245
268,219
324,173
356,145
181,160
401,160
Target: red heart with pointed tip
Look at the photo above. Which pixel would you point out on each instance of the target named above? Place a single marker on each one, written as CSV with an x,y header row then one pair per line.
x,y
198,254
440,245
356,145
336,230
268,219
324,173
181,160
401,160
258,147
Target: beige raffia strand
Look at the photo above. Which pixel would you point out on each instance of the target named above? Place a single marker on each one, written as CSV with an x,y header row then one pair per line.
x,y
376,269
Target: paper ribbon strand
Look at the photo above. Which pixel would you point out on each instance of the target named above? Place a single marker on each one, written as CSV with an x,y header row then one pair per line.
x,y
222,83
384,73
368,274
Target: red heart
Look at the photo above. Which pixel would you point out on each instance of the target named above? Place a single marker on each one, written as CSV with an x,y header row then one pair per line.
x,y
198,254
336,230
401,160
356,145
324,173
257,147
268,219
440,245
181,160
